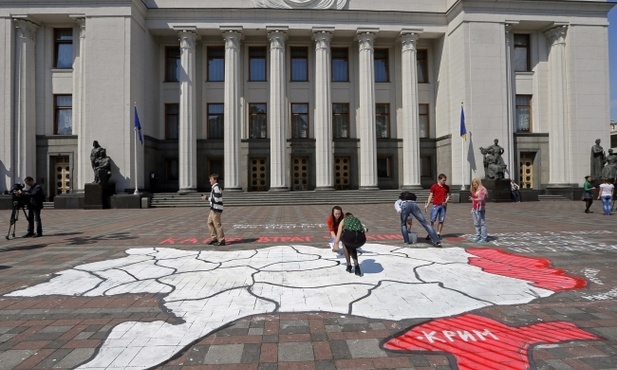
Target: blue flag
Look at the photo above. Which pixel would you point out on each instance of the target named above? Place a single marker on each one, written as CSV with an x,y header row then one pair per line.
x,y
138,127
463,129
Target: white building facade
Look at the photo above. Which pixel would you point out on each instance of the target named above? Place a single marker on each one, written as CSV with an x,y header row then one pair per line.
x,y
278,95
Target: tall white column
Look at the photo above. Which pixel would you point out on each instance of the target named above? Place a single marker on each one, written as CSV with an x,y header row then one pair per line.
x,y
276,110
324,162
24,156
511,158
84,167
232,128
411,125
559,143
365,122
187,130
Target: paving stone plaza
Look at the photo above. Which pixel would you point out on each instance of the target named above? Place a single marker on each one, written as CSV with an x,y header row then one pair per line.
x,y
139,288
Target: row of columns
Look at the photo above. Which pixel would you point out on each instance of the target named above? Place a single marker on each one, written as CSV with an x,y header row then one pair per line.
x,y
277,119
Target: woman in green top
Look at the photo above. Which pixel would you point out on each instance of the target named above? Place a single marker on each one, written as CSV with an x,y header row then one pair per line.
x,y
587,193
351,233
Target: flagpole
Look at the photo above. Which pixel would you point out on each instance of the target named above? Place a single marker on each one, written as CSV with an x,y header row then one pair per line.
x,y
462,154
135,129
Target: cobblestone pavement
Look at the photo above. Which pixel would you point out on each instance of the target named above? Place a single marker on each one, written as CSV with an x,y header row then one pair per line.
x,y
65,331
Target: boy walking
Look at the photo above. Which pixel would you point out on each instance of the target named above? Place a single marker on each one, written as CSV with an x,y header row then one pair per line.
x,y
217,237
440,195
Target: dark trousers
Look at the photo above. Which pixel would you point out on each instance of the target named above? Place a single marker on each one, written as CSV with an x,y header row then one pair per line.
x,y
34,215
352,240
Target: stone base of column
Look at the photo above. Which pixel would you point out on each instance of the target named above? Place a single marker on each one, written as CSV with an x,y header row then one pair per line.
x,y
324,188
278,189
570,191
233,190
187,191
373,187
411,187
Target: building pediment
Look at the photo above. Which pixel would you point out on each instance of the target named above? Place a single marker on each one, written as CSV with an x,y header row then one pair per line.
x,y
300,4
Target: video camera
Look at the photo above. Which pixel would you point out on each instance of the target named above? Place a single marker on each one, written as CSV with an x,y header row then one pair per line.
x,y
18,196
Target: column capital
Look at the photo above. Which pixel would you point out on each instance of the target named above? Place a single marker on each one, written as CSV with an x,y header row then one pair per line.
x,y
557,34
365,37
80,19
322,37
408,39
277,37
26,28
232,37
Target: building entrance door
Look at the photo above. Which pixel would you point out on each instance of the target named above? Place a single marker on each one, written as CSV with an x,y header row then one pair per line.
x,y
61,175
342,169
526,170
300,172
258,174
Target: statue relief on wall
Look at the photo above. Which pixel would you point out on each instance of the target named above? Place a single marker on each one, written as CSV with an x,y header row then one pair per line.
x,y
300,4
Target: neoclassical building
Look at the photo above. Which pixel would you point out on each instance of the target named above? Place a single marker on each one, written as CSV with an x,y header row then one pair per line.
x,y
278,95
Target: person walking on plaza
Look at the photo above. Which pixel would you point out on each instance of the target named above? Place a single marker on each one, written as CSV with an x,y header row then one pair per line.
x,y
35,196
478,209
588,193
406,206
606,194
217,237
333,221
351,233
440,195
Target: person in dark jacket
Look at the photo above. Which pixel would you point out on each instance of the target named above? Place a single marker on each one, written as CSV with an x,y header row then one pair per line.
x,y
35,196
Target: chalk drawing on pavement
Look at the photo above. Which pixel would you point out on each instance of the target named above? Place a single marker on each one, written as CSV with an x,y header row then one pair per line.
x,y
207,289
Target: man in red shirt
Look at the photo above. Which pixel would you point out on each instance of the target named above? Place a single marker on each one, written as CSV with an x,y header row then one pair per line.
x,y
440,195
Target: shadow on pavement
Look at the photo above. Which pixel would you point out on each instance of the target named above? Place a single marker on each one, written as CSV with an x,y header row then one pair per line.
x,y
100,238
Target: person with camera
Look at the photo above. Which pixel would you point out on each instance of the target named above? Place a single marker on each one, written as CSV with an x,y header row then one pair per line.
x,y
35,195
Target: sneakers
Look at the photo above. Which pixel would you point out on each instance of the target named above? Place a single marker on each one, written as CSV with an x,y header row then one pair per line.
x,y
212,241
438,244
28,235
476,239
428,237
439,236
219,244
482,241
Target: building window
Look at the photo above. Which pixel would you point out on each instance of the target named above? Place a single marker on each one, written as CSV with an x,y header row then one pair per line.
x,y
216,64
215,121
63,48
381,65
299,120
171,121
383,167
257,63
258,121
382,120
426,167
422,64
299,63
63,122
521,53
171,169
424,120
340,65
340,120
523,113
172,64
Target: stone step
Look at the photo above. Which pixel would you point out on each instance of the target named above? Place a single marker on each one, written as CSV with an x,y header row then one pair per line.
x,y
161,200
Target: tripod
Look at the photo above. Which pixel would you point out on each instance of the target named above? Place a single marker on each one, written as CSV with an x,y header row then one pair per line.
x,y
15,218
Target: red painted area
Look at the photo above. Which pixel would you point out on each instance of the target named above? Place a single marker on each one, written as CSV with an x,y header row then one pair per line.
x,y
481,343
536,270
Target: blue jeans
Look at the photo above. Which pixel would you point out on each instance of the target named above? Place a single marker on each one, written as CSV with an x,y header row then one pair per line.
x,y
606,203
411,208
479,221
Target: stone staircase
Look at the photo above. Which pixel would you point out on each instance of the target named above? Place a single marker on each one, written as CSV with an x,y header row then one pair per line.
x,y
231,198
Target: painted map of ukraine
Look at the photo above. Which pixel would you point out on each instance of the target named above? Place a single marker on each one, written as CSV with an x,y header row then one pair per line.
x,y
208,289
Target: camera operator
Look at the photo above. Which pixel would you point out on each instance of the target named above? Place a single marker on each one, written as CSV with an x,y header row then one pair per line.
x,y
35,195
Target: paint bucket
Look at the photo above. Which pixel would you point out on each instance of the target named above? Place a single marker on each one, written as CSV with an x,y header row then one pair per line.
x,y
413,237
